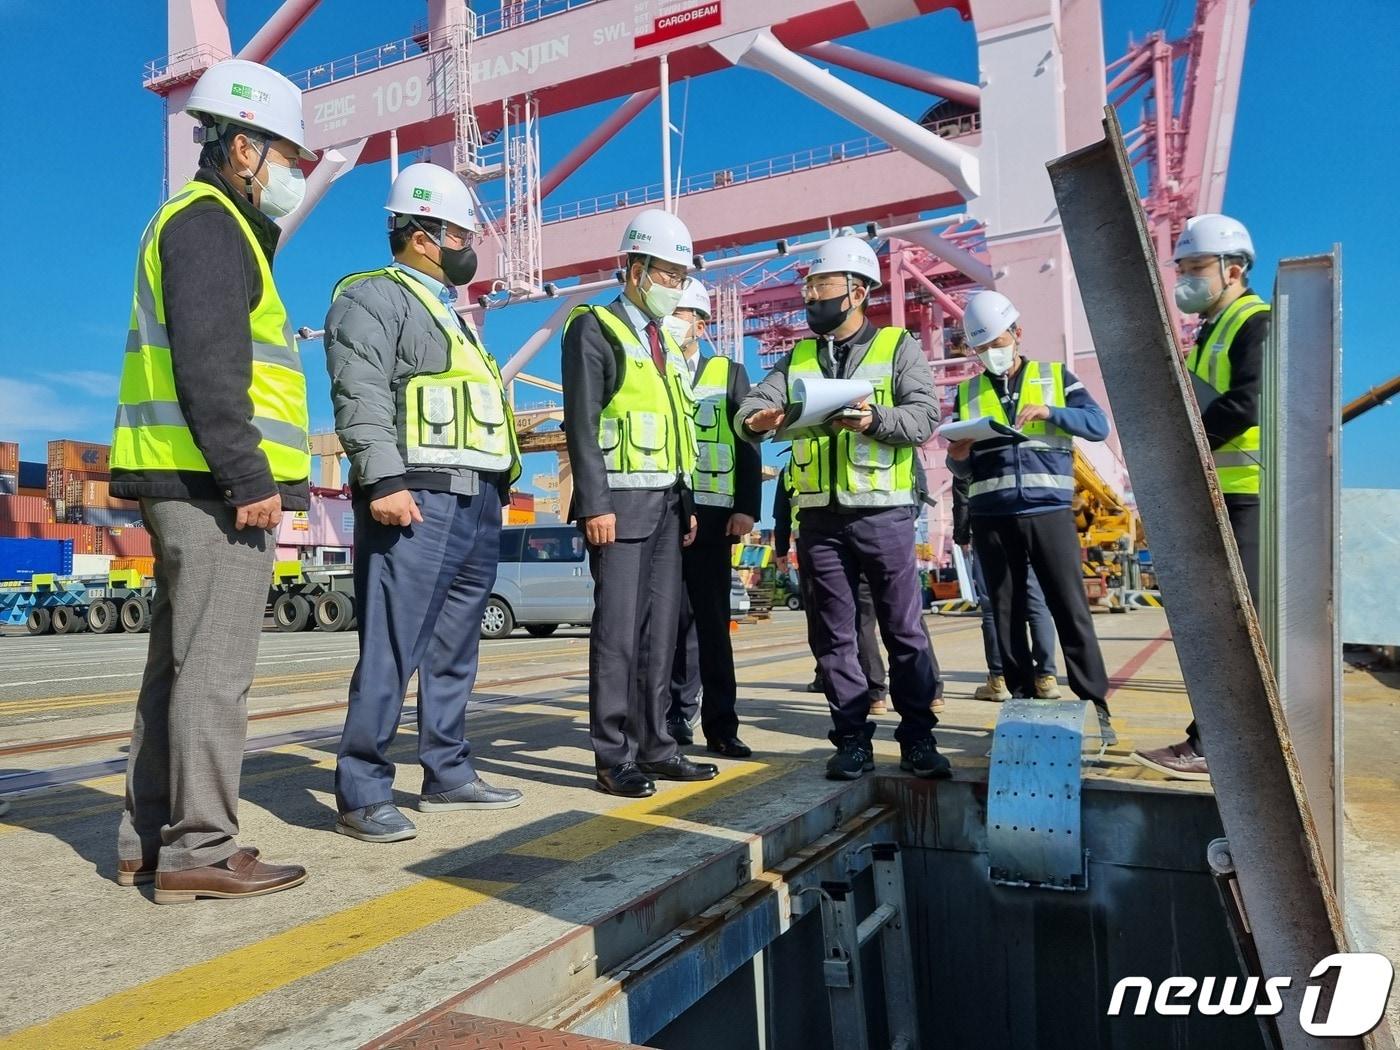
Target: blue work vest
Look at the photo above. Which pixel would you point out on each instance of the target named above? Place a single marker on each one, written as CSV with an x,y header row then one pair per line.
x,y
1025,477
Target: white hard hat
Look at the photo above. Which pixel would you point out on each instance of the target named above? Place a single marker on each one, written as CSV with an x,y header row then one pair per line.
x,y
988,314
1214,235
847,255
240,92
694,297
661,235
428,191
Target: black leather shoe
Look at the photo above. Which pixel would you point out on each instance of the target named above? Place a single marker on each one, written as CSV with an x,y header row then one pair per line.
x,y
728,746
679,768
923,760
680,732
627,780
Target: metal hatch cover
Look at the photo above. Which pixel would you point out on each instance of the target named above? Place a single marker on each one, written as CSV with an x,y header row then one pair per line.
x,y
1033,793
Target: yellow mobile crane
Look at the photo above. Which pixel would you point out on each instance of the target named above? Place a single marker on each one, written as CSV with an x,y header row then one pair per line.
x,y
1110,532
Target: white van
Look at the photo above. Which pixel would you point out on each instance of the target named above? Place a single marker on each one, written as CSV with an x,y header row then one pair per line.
x,y
542,581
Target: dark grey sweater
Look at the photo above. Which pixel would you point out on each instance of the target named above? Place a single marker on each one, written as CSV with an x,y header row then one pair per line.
x,y
210,282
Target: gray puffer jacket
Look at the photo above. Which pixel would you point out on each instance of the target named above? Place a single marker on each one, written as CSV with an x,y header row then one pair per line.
x,y
378,337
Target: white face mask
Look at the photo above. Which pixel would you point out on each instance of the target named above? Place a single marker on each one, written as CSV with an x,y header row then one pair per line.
x,y
681,331
997,359
283,191
1194,293
661,301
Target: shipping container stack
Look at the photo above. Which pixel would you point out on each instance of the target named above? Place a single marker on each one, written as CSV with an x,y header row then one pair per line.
x,y
66,500
9,468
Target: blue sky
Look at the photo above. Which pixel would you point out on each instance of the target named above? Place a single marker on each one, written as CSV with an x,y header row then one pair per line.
x,y
1308,168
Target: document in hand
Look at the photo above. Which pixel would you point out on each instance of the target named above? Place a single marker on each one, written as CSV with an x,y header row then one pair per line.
x,y
817,401
983,429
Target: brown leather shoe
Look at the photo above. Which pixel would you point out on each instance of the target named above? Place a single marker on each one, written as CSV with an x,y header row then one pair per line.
x,y
242,875
1179,761
138,873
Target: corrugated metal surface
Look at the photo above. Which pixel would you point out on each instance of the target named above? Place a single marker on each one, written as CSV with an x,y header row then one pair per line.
x,y
33,475
82,493
9,484
78,455
37,492
328,522
86,539
60,481
9,457
127,543
34,509
20,559
145,566
522,500
104,517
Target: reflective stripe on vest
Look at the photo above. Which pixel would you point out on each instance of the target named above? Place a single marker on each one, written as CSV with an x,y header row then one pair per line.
x,y
459,417
1042,383
1238,461
861,471
712,481
647,430
151,432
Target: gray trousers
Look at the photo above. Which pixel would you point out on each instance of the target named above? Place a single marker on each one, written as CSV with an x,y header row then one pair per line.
x,y
192,715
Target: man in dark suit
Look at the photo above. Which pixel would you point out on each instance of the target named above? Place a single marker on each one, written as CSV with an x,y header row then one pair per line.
x,y
629,427
727,487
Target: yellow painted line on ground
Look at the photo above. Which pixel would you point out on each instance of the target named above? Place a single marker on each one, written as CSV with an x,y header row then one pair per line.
x,y
636,818
168,1004
173,1002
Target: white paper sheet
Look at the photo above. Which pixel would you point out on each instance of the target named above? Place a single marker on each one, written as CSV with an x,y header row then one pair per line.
x,y
982,429
816,401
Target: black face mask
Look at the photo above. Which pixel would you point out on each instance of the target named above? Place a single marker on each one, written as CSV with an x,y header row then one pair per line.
x,y
826,315
458,264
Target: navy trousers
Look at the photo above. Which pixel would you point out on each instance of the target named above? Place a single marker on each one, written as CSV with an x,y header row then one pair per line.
x,y
838,549
1041,624
419,595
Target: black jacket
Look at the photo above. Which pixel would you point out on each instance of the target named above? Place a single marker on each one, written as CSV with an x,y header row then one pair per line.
x,y
590,377
713,522
210,282
962,513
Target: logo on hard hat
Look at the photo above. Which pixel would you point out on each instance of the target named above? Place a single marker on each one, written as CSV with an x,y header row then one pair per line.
x,y
637,235
247,114
421,194
252,94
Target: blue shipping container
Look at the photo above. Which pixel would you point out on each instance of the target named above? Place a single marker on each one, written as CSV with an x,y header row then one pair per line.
x,y
20,559
33,475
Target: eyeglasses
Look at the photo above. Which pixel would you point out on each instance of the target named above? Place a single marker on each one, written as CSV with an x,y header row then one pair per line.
x,y
667,278
461,238
824,284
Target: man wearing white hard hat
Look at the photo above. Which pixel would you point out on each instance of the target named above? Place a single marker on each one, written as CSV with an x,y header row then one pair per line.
x,y
422,414
1213,257
211,437
1019,496
727,487
630,429
855,487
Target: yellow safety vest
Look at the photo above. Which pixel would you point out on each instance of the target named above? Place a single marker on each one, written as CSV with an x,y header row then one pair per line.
x,y
151,432
713,480
861,471
647,430
1004,467
457,418
1238,462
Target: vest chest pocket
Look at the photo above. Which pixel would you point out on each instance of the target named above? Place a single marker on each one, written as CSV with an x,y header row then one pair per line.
x,y
809,465
438,416
868,454
715,458
646,439
488,417
707,414
610,442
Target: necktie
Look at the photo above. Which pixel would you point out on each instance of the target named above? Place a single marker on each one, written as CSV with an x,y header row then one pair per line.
x,y
657,354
